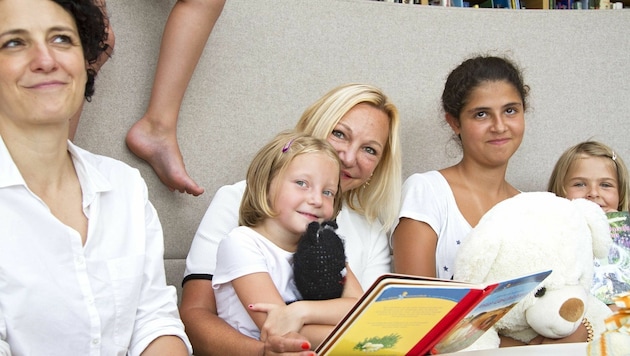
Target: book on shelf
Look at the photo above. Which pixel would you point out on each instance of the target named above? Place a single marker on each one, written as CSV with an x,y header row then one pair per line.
x,y
563,4
411,315
502,4
612,273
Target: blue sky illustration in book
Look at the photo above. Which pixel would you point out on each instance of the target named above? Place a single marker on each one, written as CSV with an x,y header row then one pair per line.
x,y
411,292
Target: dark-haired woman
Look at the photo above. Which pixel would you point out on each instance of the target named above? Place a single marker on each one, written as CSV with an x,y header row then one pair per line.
x,y
81,248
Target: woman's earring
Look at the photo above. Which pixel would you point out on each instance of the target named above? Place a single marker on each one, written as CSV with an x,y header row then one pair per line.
x,y
367,182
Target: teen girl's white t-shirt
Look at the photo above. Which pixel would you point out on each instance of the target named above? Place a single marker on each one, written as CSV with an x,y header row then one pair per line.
x,y
428,198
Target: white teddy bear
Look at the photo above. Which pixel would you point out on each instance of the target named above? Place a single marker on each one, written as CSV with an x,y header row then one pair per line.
x,y
532,232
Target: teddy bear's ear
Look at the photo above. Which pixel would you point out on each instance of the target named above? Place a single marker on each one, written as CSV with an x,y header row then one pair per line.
x,y
598,224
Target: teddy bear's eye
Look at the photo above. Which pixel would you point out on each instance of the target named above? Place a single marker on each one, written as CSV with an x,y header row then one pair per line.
x,y
540,292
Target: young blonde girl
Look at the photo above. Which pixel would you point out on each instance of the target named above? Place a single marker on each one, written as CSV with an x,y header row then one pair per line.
x,y
292,181
593,171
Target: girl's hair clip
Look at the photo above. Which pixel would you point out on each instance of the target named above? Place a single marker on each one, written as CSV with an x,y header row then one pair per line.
x,y
614,156
287,146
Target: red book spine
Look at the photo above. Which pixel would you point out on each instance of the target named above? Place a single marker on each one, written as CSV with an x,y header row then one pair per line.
x,y
463,307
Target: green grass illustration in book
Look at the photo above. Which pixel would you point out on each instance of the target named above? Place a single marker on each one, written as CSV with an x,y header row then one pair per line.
x,y
376,343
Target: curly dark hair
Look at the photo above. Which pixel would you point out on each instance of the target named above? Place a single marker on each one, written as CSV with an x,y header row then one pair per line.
x,y
474,71
92,27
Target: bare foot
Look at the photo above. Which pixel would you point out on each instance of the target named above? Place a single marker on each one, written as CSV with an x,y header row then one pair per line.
x,y
160,149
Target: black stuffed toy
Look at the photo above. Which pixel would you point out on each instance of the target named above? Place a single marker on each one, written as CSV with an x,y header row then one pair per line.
x,y
319,262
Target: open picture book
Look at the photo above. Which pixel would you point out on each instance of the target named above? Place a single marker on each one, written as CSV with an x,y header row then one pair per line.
x,y
411,315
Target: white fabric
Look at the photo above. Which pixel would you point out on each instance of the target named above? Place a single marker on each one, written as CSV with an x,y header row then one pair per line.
x,y
108,297
428,198
244,252
366,245
5,350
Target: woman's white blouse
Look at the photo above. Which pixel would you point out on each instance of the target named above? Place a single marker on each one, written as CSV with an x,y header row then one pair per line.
x,y
59,297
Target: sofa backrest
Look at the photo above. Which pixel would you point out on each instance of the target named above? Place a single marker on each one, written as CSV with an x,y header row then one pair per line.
x,y
267,60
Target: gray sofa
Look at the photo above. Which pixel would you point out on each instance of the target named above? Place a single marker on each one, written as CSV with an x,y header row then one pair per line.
x,y
268,59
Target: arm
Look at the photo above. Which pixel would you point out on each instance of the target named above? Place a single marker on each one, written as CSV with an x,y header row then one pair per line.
x,y
210,335
259,288
579,335
423,219
329,312
166,346
316,318
414,248
318,330
157,314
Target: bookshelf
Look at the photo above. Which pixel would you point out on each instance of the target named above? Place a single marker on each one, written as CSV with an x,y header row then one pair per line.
x,y
533,4
528,4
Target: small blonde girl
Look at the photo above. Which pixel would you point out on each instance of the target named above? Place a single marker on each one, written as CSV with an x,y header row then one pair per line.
x,y
592,170
292,181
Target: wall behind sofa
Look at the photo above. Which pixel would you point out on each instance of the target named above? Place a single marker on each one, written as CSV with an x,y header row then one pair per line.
x,y
268,59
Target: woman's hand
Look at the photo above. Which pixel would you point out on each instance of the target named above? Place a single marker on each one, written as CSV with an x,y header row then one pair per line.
x,y
287,345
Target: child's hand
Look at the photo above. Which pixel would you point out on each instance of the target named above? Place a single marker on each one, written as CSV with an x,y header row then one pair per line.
x,y
281,319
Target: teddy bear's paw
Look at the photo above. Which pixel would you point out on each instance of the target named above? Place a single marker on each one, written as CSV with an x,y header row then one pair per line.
x,y
489,340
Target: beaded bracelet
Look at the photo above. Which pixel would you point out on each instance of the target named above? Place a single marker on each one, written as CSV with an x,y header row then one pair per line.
x,y
589,329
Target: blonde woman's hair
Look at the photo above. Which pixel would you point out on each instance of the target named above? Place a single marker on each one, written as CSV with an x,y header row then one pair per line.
x,y
270,162
381,198
593,149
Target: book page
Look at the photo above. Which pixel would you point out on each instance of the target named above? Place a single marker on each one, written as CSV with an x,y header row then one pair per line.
x,y
488,312
398,317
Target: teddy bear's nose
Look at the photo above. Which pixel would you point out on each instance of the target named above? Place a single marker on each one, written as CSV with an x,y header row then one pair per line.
x,y
572,309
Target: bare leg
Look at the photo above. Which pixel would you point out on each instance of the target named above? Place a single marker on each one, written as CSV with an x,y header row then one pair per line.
x,y
154,137
111,40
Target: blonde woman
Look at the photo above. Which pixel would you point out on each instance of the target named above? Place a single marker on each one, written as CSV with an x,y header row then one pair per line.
x,y
362,124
